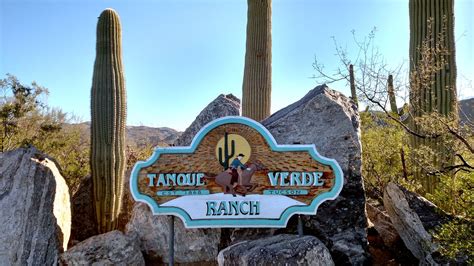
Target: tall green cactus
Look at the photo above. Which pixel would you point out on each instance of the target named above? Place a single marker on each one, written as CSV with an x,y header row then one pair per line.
x,y
432,27
108,115
441,95
391,95
257,83
353,86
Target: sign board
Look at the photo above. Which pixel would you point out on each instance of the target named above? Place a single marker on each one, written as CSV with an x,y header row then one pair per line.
x,y
234,174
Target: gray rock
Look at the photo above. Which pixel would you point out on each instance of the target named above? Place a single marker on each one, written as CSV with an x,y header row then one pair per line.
x,y
152,232
408,224
416,219
383,225
430,215
84,224
223,105
112,248
35,213
331,121
277,250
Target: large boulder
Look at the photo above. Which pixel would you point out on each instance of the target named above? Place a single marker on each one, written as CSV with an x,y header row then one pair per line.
x,y
408,224
416,219
152,232
223,105
35,214
112,248
84,224
330,120
277,250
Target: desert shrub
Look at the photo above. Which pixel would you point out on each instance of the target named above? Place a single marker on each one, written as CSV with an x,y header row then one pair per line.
x,y
25,119
384,154
383,141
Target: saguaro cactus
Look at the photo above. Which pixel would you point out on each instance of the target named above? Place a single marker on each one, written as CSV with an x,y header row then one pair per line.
x,y
432,73
441,95
353,86
225,155
108,115
391,95
257,83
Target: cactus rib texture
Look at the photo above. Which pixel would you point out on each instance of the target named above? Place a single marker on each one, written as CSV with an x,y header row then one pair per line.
x,y
257,82
353,86
440,95
108,117
391,95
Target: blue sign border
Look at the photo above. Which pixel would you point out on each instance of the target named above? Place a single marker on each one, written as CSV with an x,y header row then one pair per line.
x,y
214,223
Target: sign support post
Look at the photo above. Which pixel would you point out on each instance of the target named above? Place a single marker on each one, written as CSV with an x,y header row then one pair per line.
x,y
300,226
171,242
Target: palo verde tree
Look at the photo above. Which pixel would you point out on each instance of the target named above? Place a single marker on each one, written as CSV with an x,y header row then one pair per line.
x,y
257,83
432,79
108,115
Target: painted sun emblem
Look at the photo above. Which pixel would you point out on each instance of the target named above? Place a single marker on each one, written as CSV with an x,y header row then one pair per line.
x,y
230,146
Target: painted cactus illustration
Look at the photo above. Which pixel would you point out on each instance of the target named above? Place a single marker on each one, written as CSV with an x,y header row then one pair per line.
x,y
108,115
224,154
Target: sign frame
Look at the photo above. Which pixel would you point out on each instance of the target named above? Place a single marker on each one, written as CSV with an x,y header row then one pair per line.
x,y
310,209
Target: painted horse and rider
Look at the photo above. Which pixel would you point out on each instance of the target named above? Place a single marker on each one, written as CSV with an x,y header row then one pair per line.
x,y
237,179
234,167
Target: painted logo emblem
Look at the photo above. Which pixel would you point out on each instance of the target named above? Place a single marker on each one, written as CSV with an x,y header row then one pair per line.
x,y
234,174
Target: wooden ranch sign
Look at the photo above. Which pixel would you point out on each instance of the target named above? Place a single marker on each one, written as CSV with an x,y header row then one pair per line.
x,y
272,182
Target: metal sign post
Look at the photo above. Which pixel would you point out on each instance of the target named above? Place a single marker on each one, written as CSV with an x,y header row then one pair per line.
x,y
300,226
171,242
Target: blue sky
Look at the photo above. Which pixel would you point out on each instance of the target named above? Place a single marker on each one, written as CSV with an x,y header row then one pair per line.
x,y
179,55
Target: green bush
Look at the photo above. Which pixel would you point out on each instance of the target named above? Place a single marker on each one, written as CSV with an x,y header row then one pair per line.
x,y
386,157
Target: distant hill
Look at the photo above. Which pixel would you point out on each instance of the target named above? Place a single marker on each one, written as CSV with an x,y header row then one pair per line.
x,y
164,136
466,110
140,135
